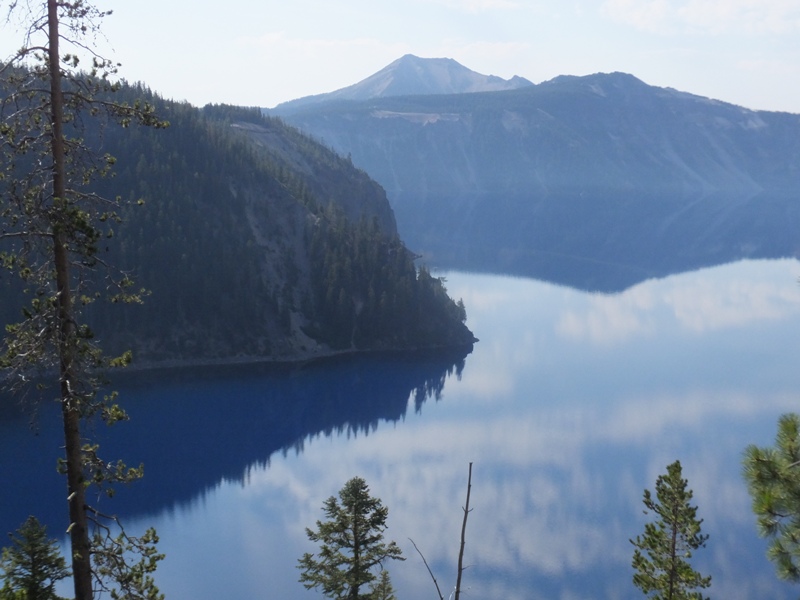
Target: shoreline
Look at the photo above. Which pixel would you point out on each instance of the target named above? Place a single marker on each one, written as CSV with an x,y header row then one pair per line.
x,y
278,364
178,367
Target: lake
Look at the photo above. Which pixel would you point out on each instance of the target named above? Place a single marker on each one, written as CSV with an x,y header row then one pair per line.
x,y
571,404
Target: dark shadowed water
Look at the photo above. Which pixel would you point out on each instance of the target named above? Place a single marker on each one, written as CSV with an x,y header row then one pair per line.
x,y
569,406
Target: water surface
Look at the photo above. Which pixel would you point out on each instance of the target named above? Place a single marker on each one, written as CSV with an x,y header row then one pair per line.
x,y
569,406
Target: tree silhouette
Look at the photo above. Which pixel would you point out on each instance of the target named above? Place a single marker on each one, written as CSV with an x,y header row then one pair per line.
x,y
663,551
32,564
55,225
383,590
351,544
773,480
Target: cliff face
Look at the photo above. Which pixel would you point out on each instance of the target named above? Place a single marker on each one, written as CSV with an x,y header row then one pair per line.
x,y
233,243
326,176
578,175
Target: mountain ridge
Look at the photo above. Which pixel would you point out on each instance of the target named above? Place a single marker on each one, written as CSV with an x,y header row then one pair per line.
x,y
411,75
603,167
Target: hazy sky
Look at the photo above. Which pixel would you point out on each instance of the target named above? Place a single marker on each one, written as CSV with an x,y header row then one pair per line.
x,y
263,52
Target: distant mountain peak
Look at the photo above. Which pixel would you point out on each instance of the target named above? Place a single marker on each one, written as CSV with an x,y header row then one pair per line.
x,y
411,75
615,80
619,85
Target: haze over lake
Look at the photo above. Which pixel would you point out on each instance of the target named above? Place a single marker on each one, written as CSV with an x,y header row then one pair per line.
x,y
569,406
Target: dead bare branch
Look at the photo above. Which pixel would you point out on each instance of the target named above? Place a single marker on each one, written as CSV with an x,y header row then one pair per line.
x,y
463,533
438,591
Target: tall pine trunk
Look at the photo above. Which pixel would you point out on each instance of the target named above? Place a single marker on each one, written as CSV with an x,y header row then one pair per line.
x,y
70,403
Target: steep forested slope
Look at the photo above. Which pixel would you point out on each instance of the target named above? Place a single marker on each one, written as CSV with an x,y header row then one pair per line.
x,y
248,235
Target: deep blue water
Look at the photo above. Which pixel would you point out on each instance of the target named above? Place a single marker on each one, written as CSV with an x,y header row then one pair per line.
x,y
569,407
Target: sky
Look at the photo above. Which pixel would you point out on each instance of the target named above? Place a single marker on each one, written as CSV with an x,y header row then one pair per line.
x,y
263,52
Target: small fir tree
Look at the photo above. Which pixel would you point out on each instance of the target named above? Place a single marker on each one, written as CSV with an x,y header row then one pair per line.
x,y
773,480
661,558
351,544
383,589
32,564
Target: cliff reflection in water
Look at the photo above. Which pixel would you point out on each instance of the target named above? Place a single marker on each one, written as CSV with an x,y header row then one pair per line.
x,y
571,405
195,427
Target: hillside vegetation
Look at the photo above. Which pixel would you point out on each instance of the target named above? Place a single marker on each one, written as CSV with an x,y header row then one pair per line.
x,y
253,242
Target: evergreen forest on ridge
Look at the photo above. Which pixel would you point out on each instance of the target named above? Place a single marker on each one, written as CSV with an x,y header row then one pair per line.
x,y
252,241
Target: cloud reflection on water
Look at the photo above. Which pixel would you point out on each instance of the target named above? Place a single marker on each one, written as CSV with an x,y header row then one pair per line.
x,y
544,501
725,297
564,439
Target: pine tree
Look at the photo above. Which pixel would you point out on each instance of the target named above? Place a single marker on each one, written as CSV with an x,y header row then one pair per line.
x,y
32,565
663,551
351,544
383,590
773,480
54,225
